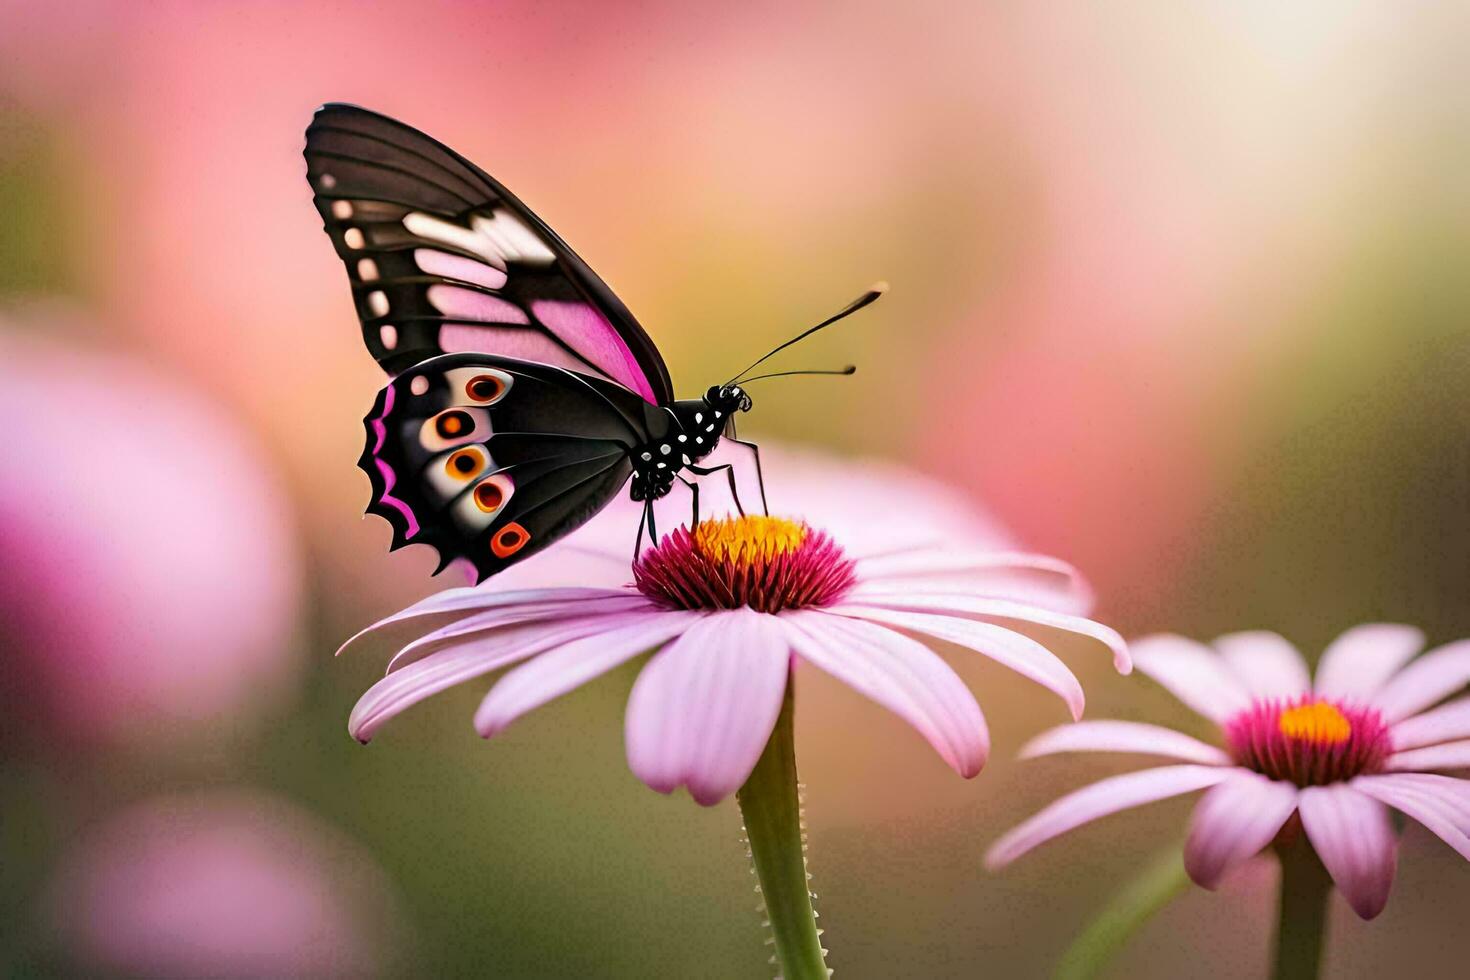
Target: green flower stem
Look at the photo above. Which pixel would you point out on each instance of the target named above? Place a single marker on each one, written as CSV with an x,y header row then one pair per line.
x,y
772,812
1302,922
1159,883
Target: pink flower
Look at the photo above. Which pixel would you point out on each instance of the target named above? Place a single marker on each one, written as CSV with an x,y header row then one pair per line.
x,y
727,610
220,884
151,571
1333,754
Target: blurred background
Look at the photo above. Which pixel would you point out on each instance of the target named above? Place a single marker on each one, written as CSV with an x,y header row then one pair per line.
x,y
1179,294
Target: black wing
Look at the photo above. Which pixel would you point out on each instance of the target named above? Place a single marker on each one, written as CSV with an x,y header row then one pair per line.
x,y
491,459
442,258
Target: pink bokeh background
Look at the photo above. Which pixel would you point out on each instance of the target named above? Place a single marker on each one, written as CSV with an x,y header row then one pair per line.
x,y
1177,296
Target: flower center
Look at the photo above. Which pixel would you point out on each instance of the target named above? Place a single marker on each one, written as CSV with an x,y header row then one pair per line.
x,y
1307,740
1315,721
766,563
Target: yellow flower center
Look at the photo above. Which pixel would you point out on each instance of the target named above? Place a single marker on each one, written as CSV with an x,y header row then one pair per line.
x,y
747,540
1315,721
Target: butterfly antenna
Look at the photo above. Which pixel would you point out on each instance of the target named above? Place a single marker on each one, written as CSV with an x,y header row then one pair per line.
x,y
871,295
850,369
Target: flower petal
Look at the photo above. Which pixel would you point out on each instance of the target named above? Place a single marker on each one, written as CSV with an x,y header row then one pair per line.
x,y
1193,673
703,708
1361,660
483,622
1233,822
872,594
1353,836
1033,579
901,674
1448,721
1098,800
1441,805
1445,755
1123,736
1266,663
1426,681
1020,653
440,671
559,671
463,601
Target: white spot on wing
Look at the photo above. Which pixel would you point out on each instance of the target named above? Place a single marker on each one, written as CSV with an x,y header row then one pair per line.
x,y
388,334
419,385
353,238
327,181
514,239
497,238
378,302
342,210
367,270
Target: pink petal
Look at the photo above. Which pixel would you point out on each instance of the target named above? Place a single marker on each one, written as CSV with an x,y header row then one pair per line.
x,y
1123,736
1446,755
1353,836
484,622
1426,681
1359,662
1098,800
624,636
570,561
1266,663
1233,822
703,708
439,671
1448,721
467,600
1020,653
872,594
1033,579
901,674
1193,673
1440,803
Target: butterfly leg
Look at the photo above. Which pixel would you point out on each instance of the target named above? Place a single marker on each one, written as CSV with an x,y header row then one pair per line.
x,y
642,523
760,478
694,491
729,471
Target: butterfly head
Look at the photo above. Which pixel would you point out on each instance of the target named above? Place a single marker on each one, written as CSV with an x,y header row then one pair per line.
x,y
728,399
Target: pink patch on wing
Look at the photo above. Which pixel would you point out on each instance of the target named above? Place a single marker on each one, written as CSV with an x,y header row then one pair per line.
x,y
585,329
518,342
437,263
467,304
380,431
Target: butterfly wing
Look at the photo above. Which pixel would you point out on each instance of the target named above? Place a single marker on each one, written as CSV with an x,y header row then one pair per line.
x,y
444,259
491,459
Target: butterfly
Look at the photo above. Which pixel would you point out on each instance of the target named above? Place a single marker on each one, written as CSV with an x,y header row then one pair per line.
x,y
523,395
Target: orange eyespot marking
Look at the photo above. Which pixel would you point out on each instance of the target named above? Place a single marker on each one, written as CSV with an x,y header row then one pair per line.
x,y
452,424
509,539
463,464
485,388
489,496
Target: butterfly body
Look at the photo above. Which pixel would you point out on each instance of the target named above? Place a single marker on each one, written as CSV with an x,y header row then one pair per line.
x,y
695,428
